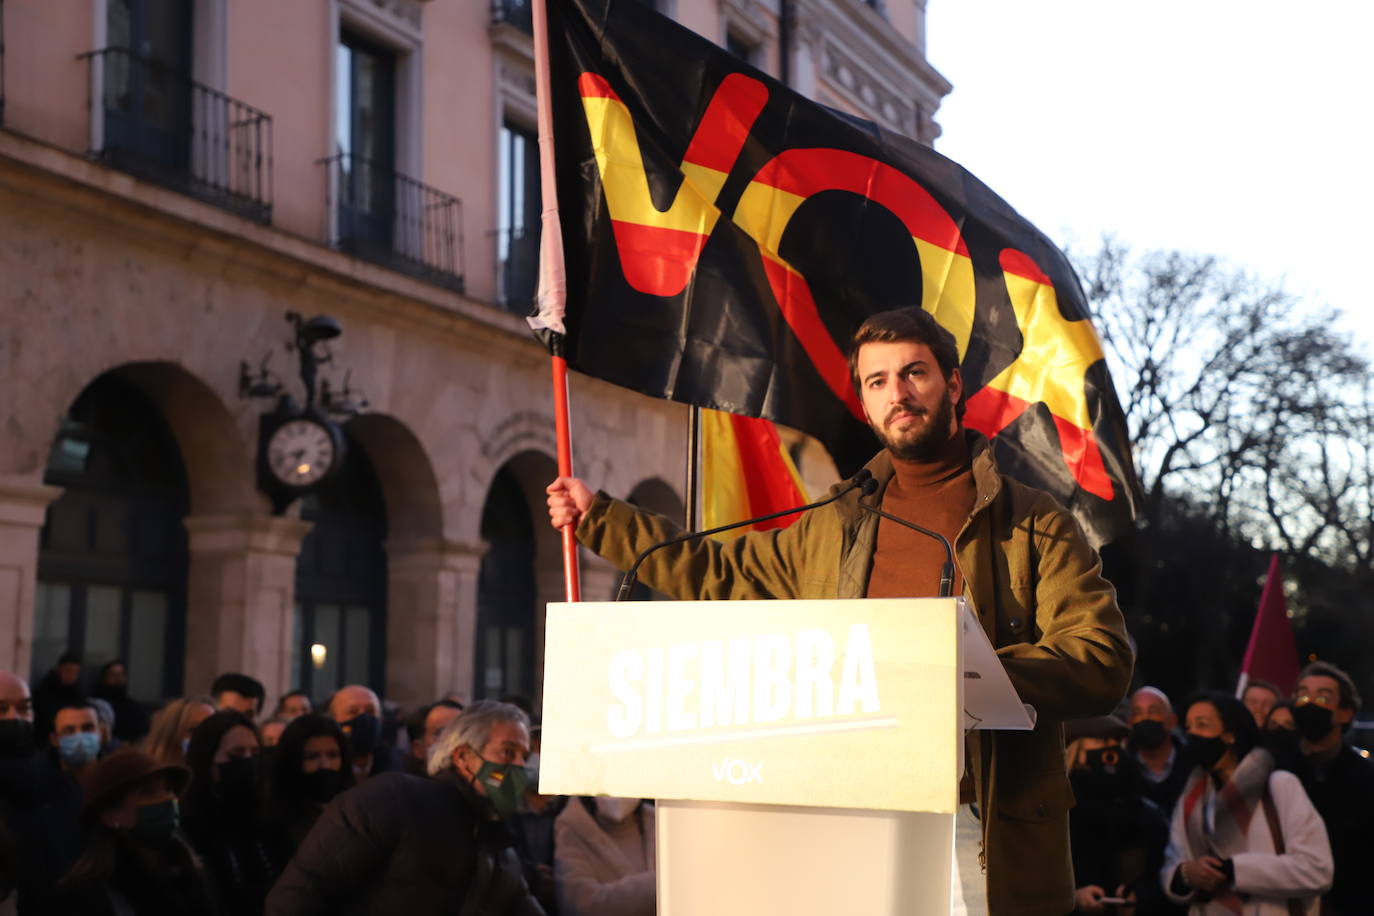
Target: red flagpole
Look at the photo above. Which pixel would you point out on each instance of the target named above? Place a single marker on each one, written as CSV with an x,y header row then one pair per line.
x,y
553,289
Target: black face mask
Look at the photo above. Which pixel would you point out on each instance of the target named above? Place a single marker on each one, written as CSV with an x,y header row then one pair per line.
x,y
238,782
1313,721
1104,778
1206,751
1148,733
363,733
1282,743
321,785
16,738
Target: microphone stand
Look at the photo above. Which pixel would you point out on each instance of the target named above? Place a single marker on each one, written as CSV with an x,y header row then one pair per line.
x,y
862,480
947,568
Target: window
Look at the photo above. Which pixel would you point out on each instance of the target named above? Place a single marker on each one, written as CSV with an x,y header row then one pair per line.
x,y
506,594
147,84
112,554
365,142
517,235
744,50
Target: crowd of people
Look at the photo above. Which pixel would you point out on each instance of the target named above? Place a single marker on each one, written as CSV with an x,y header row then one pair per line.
x,y
211,805
1223,805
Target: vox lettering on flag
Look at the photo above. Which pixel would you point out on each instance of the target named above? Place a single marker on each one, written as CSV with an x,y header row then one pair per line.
x,y
724,237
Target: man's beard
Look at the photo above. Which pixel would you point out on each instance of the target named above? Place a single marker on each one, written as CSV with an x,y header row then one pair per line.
x,y
927,442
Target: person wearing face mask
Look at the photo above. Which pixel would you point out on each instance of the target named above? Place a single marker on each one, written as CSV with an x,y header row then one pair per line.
x,y
222,811
359,712
604,858
1280,737
534,825
400,843
1338,779
1116,836
1161,756
20,813
135,859
308,770
46,817
1244,837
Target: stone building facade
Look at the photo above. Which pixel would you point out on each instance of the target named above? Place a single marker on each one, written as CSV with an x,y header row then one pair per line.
x,y
176,176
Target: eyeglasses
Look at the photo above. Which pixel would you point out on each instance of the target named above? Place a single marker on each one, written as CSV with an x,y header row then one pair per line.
x,y
1303,699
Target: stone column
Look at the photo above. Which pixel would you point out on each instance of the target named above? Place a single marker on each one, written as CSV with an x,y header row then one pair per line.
x,y
23,507
240,599
431,618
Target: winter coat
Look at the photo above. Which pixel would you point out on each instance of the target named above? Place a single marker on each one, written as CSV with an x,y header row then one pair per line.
x,y
402,844
1264,879
1036,586
592,875
1342,791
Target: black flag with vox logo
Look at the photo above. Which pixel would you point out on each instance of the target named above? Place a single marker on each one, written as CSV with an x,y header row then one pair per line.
x,y
724,237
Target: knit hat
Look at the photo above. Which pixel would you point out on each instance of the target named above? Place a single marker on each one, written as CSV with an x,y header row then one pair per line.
x,y
104,780
1096,727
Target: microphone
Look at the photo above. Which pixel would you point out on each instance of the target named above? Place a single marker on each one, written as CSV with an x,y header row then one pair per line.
x,y
862,481
947,569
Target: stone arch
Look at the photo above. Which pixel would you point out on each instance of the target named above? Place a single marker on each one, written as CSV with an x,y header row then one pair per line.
x,y
657,495
527,473
411,489
218,457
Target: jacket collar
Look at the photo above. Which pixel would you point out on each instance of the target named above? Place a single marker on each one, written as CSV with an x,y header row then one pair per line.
x,y
987,480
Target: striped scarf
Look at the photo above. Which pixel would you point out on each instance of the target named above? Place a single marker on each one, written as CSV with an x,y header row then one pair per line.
x,y
1232,804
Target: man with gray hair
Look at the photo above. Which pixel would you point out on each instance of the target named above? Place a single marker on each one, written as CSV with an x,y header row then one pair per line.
x,y
400,843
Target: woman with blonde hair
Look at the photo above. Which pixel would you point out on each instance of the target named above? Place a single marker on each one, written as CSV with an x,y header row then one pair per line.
x,y
170,733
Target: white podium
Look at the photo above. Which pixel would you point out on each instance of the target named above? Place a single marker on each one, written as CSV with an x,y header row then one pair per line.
x,y
805,755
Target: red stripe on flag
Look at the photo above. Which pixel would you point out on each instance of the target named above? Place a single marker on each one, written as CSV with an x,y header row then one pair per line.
x,y
1016,262
991,410
1084,458
799,308
592,86
656,260
805,172
766,477
732,112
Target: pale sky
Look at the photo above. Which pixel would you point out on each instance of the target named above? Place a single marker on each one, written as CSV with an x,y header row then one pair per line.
x,y
1241,129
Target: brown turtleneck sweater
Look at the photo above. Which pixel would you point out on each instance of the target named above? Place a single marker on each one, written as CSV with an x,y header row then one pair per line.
x,y
938,495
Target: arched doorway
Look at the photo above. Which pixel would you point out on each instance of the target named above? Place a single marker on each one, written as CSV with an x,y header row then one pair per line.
x,y
506,593
112,553
340,620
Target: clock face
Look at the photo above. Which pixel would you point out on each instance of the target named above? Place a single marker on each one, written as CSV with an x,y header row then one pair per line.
x,y
300,452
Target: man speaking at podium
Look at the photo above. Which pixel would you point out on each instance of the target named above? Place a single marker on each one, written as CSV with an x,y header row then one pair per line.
x,y
1023,562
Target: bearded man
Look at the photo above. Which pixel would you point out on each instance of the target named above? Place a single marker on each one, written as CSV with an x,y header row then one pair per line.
x,y
1022,561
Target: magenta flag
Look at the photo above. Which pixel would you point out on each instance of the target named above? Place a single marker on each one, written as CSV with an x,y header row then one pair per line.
x,y
1272,654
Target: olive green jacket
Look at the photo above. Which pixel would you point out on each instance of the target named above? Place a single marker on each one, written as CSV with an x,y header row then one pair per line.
x,y
1036,586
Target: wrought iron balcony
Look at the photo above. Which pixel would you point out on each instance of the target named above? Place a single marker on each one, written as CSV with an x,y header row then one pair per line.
x,y
517,256
389,219
516,13
159,124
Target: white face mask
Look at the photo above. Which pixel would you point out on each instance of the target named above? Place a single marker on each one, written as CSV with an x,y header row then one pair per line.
x,y
615,809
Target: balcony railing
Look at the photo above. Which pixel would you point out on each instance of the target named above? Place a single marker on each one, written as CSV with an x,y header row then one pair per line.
x,y
517,13
389,219
159,124
517,256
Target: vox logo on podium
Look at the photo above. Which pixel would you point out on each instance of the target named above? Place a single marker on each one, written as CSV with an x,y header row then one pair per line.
x,y
737,772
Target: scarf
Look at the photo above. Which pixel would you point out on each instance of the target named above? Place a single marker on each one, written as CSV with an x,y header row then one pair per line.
x,y
1232,803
